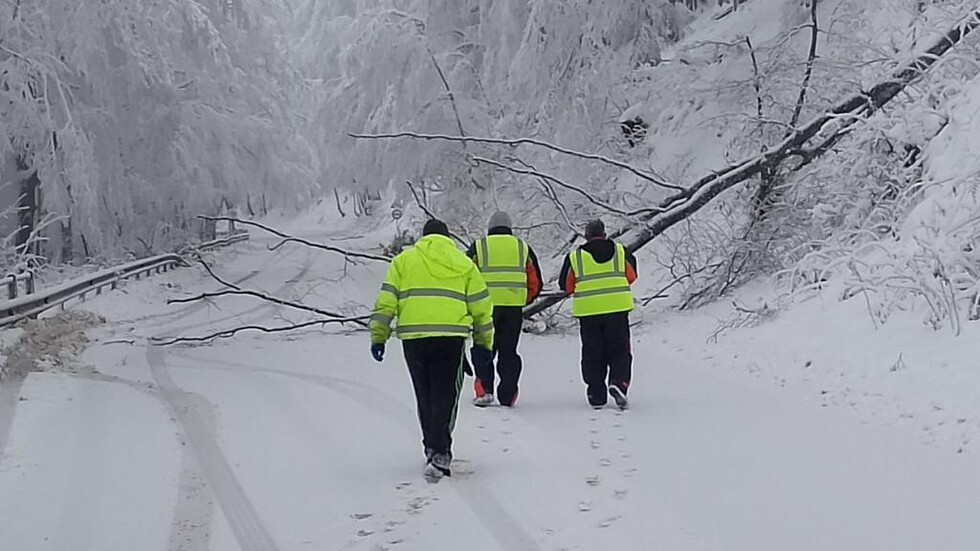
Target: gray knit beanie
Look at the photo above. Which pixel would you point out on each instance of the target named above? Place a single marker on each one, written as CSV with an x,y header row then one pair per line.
x,y
500,219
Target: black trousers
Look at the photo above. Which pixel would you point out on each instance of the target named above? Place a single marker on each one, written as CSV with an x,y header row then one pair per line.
x,y
435,364
606,353
507,324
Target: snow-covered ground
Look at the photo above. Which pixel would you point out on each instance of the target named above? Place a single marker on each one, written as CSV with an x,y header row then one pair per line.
x,y
804,432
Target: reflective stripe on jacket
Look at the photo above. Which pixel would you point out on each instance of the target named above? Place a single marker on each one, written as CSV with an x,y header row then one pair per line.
x,y
502,259
433,290
600,288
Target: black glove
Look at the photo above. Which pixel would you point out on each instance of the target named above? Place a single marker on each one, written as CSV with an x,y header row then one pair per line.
x,y
467,368
378,351
481,357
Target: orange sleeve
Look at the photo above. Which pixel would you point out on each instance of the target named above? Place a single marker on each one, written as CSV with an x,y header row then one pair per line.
x,y
630,273
570,282
533,282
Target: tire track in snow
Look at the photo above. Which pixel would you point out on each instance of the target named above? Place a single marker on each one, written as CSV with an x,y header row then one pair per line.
x,y
206,473
238,510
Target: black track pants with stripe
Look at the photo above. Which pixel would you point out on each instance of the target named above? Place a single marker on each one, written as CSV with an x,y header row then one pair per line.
x,y
507,324
435,364
606,352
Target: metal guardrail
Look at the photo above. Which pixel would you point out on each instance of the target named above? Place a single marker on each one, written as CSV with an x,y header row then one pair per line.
x,y
33,304
14,280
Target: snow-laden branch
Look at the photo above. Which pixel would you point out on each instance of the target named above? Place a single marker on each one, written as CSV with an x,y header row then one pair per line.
x,y
657,180
286,238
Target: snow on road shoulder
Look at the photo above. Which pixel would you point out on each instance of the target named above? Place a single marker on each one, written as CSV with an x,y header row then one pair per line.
x,y
830,354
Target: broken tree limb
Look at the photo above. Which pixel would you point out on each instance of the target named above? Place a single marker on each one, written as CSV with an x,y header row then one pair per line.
x,y
845,116
653,178
233,289
286,238
228,333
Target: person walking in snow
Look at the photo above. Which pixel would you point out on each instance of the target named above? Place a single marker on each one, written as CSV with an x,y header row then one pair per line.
x,y
513,276
598,275
439,298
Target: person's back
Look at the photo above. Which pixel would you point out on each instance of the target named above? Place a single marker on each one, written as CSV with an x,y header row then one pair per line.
x,y
598,275
434,269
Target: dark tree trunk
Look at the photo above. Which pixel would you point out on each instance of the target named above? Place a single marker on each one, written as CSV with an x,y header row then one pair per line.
x,y
27,208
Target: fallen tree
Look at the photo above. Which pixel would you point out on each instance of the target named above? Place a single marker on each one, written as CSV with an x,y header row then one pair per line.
x,y
805,144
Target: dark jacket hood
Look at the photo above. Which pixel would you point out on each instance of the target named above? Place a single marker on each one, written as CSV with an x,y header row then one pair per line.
x,y
602,250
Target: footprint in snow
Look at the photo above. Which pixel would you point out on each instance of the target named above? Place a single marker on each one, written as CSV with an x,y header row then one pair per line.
x,y
605,462
620,494
364,533
628,472
584,506
392,524
595,445
606,523
361,516
592,481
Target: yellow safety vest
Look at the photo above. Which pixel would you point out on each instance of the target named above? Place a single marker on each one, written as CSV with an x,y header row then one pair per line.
x,y
502,260
600,288
434,290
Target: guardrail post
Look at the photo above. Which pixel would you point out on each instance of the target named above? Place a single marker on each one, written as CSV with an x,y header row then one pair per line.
x,y
30,283
12,287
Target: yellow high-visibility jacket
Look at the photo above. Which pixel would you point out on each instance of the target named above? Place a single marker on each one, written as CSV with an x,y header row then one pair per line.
x,y
502,260
433,290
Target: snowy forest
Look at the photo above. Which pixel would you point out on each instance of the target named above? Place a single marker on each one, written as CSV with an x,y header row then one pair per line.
x,y
207,208
124,121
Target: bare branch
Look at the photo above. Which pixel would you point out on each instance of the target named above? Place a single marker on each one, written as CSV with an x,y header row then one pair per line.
x,y
228,333
449,92
811,56
236,290
289,238
657,180
555,180
756,82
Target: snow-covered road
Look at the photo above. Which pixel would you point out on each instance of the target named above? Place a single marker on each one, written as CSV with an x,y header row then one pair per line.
x,y
302,442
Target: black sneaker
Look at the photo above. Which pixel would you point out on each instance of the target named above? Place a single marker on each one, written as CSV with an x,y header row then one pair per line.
x,y
442,461
619,396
